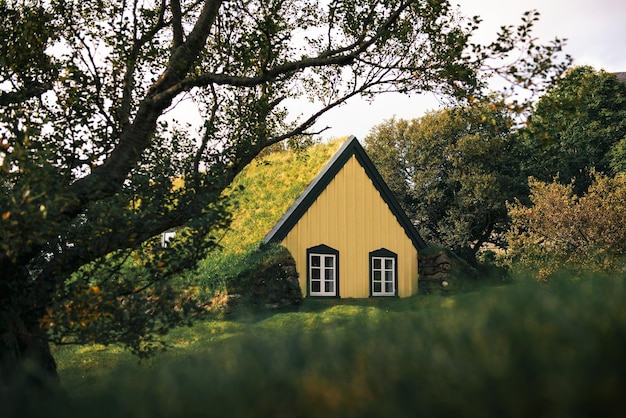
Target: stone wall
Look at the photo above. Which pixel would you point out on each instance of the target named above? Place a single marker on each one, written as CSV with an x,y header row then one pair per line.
x,y
270,283
441,271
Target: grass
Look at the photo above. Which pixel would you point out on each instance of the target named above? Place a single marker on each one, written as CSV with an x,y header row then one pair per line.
x,y
519,350
267,187
262,193
81,366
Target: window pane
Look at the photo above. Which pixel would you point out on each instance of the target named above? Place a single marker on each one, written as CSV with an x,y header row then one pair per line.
x,y
329,261
389,287
315,286
388,263
377,263
329,287
315,261
329,274
315,274
389,276
377,287
377,276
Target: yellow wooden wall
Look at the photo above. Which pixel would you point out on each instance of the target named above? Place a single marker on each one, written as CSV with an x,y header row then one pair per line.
x,y
351,217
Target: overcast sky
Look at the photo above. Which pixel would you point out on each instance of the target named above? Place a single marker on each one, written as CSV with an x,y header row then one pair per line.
x,y
595,32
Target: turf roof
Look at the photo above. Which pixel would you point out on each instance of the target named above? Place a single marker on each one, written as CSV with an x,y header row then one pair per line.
x,y
275,190
266,189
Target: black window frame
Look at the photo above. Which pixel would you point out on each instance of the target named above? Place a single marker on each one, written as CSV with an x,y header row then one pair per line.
x,y
383,253
323,250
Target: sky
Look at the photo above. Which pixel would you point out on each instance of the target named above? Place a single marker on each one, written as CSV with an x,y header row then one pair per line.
x,y
595,33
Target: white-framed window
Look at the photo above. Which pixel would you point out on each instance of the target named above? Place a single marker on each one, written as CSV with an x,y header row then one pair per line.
x,y
323,271
383,273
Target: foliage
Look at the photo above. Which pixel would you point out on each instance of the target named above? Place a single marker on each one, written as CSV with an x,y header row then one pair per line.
x,y
560,229
90,147
527,349
577,127
261,193
26,33
453,170
618,156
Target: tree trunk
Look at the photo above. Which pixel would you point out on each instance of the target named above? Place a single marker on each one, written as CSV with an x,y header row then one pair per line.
x,y
24,345
25,352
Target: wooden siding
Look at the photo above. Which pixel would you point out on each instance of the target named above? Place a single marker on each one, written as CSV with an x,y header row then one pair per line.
x,y
351,217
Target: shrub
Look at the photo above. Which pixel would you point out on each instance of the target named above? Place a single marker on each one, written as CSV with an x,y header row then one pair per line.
x,y
561,230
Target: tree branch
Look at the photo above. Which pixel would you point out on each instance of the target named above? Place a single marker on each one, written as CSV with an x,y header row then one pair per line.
x,y
177,23
131,62
108,178
33,89
208,131
340,56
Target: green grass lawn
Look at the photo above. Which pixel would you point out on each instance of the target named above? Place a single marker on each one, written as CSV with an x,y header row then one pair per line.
x,y
517,350
81,366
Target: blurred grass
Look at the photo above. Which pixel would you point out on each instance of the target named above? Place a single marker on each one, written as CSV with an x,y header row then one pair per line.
x,y
520,350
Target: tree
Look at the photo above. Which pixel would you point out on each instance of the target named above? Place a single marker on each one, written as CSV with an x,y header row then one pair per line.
x,y
559,229
88,153
453,170
577,126
618,157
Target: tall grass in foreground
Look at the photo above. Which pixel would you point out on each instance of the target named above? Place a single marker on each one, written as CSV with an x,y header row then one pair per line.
x,y
523,350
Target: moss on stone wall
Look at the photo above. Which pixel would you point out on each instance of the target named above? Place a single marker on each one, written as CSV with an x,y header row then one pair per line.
x,y
267,280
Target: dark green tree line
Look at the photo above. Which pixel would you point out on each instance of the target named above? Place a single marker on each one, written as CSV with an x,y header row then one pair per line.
x,y
574,148
578,126
455,170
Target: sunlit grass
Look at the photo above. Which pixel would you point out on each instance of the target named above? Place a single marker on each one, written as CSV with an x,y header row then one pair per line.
x,y
267,187
79,365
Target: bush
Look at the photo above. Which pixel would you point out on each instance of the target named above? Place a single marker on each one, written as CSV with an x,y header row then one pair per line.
x,y
561,230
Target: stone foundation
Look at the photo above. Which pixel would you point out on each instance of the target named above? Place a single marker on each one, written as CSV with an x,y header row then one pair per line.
x,y
441,271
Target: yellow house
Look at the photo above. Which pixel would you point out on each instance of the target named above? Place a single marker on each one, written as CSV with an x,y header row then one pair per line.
x,y
348,234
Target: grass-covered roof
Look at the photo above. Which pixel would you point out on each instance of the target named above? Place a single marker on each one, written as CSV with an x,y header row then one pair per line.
x,y
266,189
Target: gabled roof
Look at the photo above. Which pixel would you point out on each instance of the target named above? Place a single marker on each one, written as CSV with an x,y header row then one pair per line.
x,y
350,148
